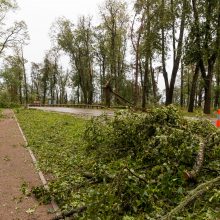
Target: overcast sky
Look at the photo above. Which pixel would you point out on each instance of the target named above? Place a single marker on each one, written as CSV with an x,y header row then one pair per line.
x,y
39,16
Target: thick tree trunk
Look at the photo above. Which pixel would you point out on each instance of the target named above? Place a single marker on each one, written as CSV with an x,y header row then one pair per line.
x,y
200,96
169,98
165,75
208,86
193,89
217,93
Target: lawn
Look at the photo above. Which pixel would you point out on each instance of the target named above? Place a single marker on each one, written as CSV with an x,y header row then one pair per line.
x,y
130,166
56,141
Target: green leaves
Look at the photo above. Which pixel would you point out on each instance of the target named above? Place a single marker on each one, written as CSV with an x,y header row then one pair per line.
x,y
127,166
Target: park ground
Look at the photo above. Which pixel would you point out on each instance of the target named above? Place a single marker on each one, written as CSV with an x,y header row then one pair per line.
x,y
119,167
18,175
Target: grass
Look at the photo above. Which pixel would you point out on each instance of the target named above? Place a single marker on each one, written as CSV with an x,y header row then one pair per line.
x,y
123,167
1,111
198,112
56,141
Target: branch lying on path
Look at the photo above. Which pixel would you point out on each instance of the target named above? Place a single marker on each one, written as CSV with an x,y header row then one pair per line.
x,y
65,214
198,191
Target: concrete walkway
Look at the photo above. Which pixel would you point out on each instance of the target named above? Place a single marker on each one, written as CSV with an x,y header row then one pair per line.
x,y
17,172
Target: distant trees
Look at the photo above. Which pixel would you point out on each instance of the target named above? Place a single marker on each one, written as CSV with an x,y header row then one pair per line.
x,y
129,52
203,45
13,78
77,42
49,81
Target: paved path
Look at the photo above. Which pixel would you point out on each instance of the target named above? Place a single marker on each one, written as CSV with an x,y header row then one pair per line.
x,y
16,168
76,111
97,112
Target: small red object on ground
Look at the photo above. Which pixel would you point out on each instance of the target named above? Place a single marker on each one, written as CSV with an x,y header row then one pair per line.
x,y
218,119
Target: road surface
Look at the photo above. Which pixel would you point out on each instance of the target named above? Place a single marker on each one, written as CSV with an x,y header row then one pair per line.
x,y
97,112
76,111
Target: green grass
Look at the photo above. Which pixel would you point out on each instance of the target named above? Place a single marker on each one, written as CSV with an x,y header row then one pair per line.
x,y
1,111
56,141
198,112
129,166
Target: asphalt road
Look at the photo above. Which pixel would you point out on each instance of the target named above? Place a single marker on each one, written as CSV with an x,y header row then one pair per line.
x,y
95,112
76,111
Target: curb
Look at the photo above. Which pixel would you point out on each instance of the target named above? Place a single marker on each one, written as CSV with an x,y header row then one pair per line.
x,y
42,178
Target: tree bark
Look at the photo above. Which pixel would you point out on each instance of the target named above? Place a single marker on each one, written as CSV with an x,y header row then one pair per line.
x,y
193,89
169,97
181,85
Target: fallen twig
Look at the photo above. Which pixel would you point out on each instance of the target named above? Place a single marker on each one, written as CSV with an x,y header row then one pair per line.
x,y
65,214
198,191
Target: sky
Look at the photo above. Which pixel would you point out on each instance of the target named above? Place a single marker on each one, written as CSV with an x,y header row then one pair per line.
x,y
39,16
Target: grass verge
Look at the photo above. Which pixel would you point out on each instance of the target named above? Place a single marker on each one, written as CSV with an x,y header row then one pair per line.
x,y
130,166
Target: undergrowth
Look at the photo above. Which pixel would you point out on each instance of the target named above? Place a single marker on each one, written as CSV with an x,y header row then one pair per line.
x,y
130,166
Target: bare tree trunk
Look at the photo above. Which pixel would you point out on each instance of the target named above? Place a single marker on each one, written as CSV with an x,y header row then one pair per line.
x,y
169,98
200,97
154,84
217,93
193,89
181,85
144,90
136,46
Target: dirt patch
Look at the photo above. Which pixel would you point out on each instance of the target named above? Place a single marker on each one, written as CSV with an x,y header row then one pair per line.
x,y
17,174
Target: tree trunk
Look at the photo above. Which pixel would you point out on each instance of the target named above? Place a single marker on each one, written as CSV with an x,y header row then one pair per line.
x,y
144,90
169,98
217,93
181,85
193,89
154,84
165,75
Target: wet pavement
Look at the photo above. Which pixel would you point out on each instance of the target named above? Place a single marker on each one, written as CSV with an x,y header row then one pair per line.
x,y
76,111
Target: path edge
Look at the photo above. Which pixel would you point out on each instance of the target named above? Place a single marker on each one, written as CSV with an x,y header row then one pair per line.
x,y
34,160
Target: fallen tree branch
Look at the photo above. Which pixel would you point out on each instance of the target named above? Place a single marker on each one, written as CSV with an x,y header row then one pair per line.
x,y
203,145
191,175
65,214
134,174
97,179
198,191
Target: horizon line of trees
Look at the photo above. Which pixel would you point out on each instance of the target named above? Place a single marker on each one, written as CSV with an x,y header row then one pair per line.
x,y
155,35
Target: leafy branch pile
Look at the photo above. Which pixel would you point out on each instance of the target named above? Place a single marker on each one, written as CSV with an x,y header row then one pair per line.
x,y
137,166
149,157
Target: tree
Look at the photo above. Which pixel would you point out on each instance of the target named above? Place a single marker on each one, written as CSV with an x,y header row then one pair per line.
x,y
78,43
204,42
36,80
177,50
12,75
114,26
